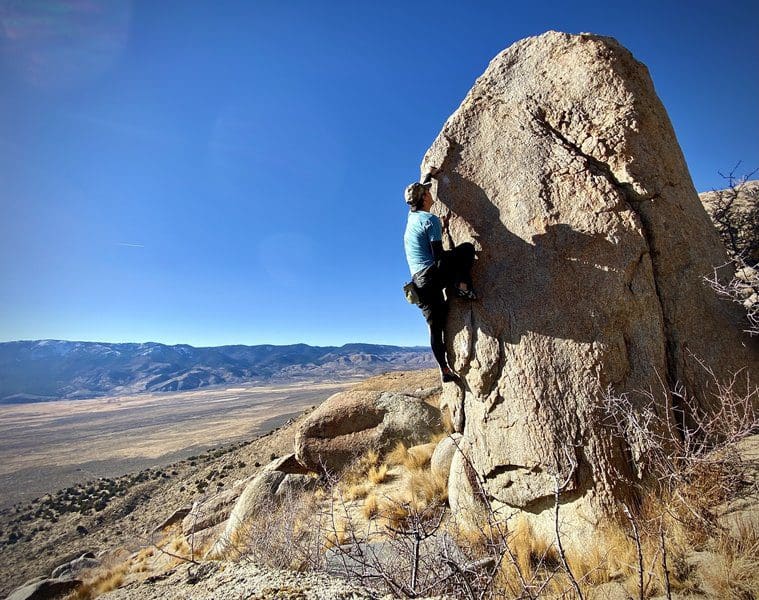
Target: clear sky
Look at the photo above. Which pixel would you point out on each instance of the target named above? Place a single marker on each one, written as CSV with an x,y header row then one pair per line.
x,y
232,172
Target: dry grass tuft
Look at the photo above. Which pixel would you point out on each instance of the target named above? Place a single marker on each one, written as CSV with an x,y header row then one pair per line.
x,y
337,534
371,507
418,457
356,491
736,575
531,552
422,490
397,455
395,511
378,475
428,487
179,545
99,582
357,472
414,458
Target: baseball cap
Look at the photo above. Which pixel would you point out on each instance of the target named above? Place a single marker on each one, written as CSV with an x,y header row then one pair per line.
x,y
415,192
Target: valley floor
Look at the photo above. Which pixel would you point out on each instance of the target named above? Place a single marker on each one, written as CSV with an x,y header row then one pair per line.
x,y
52,445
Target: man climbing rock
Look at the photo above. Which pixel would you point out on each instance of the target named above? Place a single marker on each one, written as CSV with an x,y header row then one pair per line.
x,y
437,274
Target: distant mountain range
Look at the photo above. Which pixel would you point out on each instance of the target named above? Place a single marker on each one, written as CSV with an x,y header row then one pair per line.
x,y
34,371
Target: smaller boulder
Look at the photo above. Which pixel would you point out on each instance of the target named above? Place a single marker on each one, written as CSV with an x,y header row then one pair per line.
x,y
293,485
349,424
288,464
266,490
440,463
44,589
259,493
175,517
464,493
212,511
201,540
76,566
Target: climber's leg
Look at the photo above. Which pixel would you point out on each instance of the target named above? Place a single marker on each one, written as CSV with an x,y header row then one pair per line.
x,y
457,270
435,310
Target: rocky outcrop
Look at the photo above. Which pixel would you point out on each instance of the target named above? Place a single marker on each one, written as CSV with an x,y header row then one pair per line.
x,y
219,517
350,423
735,214
561,165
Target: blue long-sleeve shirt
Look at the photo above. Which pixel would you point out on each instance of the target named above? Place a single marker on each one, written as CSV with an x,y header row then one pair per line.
x,y
422,228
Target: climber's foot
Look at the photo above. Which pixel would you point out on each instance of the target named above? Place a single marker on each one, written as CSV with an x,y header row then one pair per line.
x,y
466,294
449,376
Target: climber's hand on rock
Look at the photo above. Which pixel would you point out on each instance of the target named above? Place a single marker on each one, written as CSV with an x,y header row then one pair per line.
x,y
445,219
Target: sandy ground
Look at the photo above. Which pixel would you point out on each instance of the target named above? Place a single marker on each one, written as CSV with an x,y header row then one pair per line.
x,y
51,445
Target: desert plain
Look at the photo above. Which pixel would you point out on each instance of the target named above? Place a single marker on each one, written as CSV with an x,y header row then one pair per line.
x,y
47,446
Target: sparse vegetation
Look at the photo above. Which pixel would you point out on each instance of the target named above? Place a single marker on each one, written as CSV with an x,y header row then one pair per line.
x,y
397,504
400,503
99,582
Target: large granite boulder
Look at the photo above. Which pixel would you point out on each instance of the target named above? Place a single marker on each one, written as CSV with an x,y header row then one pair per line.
x,y
350,423
562,167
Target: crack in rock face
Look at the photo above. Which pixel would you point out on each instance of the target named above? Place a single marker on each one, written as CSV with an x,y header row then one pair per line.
x,y
563,169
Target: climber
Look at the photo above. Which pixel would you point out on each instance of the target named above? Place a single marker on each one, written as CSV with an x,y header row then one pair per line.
x,y
437,274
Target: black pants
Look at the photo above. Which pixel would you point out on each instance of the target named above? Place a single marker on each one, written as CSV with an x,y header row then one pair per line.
x,y
454,268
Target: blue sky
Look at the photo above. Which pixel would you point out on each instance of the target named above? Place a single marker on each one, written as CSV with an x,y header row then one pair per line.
x,y
232,172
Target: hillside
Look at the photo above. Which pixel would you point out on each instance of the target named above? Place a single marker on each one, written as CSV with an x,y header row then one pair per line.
x,y
119,515
33,371
134,526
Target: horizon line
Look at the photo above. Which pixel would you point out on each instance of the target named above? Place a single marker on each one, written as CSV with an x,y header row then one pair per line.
x,y
214,346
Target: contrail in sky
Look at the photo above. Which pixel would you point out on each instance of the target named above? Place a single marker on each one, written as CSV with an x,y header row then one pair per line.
x,y
130,245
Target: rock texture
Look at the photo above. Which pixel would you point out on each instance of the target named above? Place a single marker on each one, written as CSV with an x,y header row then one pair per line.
x,y
350,423
563,168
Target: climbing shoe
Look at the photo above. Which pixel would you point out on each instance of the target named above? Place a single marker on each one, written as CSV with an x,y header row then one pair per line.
x,y
466,294
449,376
